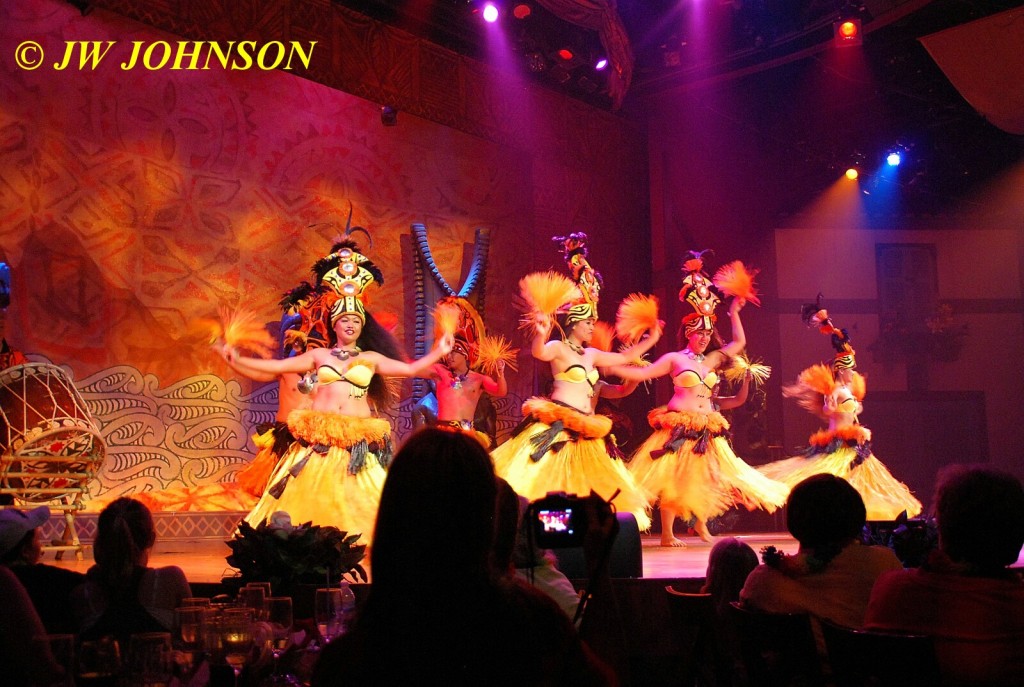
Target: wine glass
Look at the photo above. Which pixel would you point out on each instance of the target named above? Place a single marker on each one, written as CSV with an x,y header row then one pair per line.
x,y
189,621
254,598
328,613
279,617
237,640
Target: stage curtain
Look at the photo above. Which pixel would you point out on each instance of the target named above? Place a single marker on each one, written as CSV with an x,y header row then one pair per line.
x,y
603,17
984,60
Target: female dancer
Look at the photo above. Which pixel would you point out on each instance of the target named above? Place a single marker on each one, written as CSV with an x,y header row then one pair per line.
x,y
688,462
844,449
334,472
561,445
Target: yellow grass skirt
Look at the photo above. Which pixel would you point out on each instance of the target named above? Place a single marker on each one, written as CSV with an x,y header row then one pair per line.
x,y
701,476
846,453
323,492
577,461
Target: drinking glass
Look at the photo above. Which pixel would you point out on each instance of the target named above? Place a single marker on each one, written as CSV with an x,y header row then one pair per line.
x,y
254,598
237,639
279,616
62,646
190,621
149,659
328,612
264,585
99,663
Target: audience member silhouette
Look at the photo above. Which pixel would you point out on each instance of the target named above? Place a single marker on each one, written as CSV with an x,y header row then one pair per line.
x,y
121,595
533,565
730,562
25,654
832,574
48,586
965,595
439,612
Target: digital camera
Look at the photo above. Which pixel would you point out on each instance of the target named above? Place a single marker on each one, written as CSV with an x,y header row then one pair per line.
x,y
558,520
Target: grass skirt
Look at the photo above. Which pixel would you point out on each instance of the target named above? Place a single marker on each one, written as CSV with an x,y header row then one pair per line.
x,y
253,478
689,464
847,453
576,462
324,491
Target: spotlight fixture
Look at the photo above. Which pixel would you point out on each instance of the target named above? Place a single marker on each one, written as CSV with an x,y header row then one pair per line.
x,y
852,173
521,11
566,54
847,32
535,62
490,13
601,64
388,115
893,159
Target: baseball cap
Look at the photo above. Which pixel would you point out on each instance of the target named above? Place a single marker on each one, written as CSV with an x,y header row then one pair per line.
x,y
15,524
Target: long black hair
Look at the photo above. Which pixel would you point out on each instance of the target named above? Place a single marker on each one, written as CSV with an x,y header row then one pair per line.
x,y
124,531
375,337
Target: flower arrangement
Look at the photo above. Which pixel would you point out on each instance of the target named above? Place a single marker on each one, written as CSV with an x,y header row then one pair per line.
x,y
795,565
287,555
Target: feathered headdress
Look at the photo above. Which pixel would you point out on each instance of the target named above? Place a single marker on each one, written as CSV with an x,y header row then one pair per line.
x,y
588,280
457,316
815,315
699,293
348,273
341,283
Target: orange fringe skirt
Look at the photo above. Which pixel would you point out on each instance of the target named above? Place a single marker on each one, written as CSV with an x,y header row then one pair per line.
x,y
340,487
253,478
690,466
562,449
846,453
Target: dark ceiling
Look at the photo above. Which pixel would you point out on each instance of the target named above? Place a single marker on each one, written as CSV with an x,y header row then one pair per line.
x,y
766,47
674,42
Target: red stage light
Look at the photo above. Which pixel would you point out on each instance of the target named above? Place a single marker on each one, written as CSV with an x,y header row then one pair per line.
x,y
847,32
565,54
521,11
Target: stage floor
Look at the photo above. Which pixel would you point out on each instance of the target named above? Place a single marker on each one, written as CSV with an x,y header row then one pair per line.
x,y
203,559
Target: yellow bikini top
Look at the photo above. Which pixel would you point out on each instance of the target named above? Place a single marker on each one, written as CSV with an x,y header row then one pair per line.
x,y
358,374
847,406
693,379
577,374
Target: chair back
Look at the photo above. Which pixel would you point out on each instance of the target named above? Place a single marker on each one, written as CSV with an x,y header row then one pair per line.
x,y
693,617
878,659
777,649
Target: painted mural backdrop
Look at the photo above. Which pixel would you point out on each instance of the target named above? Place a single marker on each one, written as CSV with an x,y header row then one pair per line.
x,y
133,202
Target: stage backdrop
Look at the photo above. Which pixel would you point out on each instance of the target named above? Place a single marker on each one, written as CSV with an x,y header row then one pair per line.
x,y
133,201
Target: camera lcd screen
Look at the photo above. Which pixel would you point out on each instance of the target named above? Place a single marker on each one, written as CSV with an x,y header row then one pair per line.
x,y
556,521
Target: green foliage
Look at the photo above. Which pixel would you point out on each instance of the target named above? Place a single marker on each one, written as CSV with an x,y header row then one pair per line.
x,y
287,556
